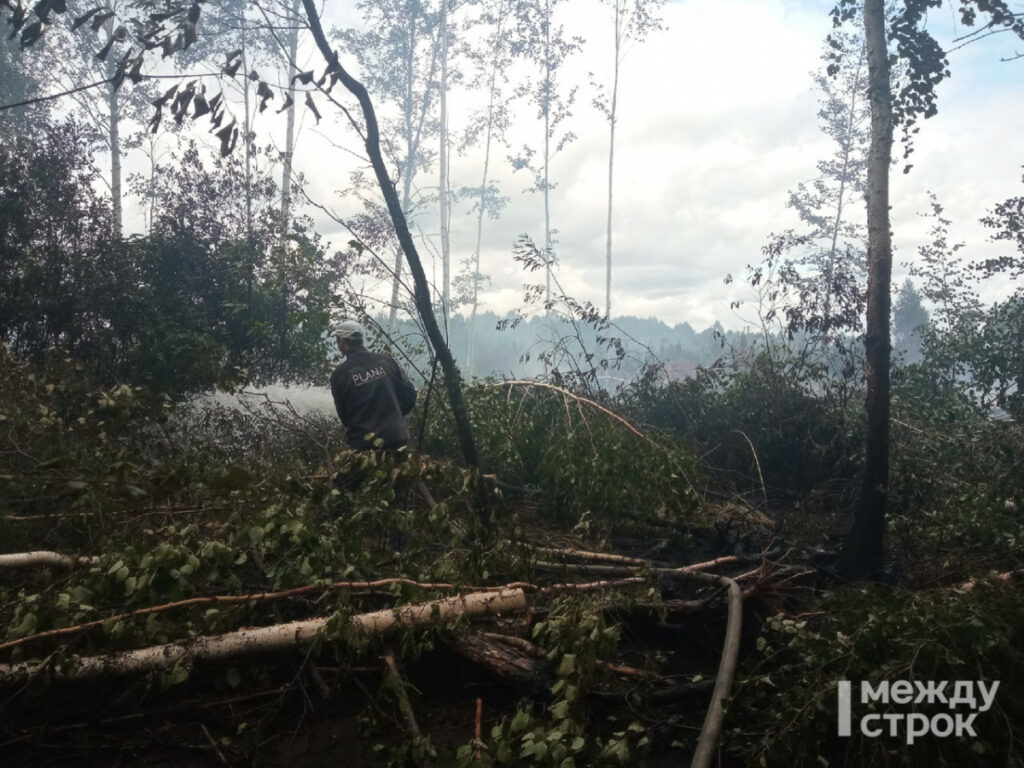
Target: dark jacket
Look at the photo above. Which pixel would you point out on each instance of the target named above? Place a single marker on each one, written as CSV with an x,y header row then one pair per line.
x,y
372,396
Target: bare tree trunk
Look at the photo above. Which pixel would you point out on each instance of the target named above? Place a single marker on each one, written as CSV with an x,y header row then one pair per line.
x,y
863,554
471,357
114,106
151,191
115,165
611,162
413,135
491,90
397,284
841,200
245,138
289,141
410,165
452,378
249,239
547,153
443,191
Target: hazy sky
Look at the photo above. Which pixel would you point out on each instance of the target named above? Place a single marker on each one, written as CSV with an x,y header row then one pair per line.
x,y
717,122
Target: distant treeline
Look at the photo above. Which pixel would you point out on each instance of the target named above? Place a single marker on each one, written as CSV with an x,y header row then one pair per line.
x,y
510,346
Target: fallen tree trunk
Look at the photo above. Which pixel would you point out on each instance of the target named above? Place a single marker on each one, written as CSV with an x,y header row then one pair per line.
x,y
43,557
611,568
262,639
505,659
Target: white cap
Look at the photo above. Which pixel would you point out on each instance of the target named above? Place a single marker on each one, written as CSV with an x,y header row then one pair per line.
x,y
347,329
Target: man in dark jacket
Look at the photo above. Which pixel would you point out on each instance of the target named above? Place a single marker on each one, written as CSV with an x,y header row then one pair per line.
x,y
371,393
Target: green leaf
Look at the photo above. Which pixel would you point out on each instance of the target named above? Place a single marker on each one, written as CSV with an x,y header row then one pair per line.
x,y
568,665
176,676
520,721
26,627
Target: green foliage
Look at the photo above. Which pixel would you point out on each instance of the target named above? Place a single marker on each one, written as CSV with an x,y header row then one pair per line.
x,y
58,261
225,504
202,300
956,477
762,426
971,346
584,462
561,734
784,710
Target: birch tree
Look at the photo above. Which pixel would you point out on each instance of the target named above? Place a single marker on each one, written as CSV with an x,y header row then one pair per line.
x,y
547,47
108,107
815,275
399,54
489,125
632,21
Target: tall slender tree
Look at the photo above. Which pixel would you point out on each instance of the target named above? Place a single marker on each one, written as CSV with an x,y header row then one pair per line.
x,y
289,141
492,60
916,97
632,21
108,107
443,192
546,45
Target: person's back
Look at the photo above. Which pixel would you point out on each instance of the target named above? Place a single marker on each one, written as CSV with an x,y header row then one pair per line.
x,y
371,394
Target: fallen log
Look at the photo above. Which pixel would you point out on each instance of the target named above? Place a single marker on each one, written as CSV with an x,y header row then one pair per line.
x,y
610,568
231,599
43,557
295,591
262,639
508,661
584,554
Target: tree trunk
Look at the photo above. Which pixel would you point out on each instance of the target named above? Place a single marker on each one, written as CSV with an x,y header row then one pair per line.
x,y
115,165
43,558
413,135
251,640
452,378
547,153
443,185
114,106
837,221
863,554
410,165
491,90
611,163
250,258
289,141
505,661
